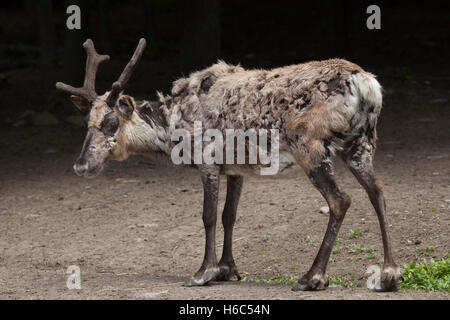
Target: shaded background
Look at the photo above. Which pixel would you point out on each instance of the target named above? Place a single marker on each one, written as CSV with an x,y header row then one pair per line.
x,y
187,35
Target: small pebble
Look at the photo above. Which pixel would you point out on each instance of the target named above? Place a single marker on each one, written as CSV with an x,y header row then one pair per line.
x,y
325,210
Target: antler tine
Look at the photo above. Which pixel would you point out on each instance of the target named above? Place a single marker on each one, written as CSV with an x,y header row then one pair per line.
x,y
93,60
120,84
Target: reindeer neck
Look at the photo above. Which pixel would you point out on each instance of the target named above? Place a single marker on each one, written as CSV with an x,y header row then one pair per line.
x,y
148,131
152,113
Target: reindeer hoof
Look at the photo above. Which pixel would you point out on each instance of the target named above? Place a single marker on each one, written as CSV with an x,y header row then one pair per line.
x,y
201,278
390,275
228,271
314,283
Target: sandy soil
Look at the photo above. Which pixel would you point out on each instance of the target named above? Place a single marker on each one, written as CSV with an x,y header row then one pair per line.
x,y
136,230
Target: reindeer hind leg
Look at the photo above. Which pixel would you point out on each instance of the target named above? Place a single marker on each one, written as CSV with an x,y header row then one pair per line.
x,y
359,159
323,179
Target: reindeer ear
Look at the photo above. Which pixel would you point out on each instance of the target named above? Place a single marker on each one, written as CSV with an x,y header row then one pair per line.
x,y
126,106
81,103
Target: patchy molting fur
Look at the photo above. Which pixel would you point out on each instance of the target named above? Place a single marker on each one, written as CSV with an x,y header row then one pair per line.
x,y
320,108
143,135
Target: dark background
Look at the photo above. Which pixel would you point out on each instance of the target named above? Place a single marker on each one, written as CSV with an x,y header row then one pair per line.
x,y
187,35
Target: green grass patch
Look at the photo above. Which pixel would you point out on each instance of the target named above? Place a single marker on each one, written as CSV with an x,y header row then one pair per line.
x,y
343,281
371,256
308,239
337,249
275,259
430,276
357,248
281,280
355,233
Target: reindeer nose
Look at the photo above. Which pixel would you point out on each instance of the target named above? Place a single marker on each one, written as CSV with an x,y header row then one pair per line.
x,y
80,168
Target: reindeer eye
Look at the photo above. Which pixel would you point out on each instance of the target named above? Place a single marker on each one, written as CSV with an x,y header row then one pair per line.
x,y
110,124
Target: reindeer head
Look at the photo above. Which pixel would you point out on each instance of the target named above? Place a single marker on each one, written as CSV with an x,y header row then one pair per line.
x,y
105,114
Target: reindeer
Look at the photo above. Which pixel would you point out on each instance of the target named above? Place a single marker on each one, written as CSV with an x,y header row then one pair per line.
x,y
321,109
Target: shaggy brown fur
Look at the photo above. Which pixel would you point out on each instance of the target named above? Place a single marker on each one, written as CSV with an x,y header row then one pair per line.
x,y
319,108
310,104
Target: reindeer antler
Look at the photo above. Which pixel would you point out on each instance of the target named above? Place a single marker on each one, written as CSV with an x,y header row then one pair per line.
x,y
120,84
93,60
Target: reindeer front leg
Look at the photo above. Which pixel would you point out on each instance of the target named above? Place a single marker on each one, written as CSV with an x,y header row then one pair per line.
x,y
227,265
209,270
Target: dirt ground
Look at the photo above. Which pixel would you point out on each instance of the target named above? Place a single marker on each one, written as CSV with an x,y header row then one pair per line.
x,y
136,230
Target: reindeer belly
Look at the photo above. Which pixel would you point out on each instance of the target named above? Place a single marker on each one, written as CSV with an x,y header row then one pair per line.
x,y
287,168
